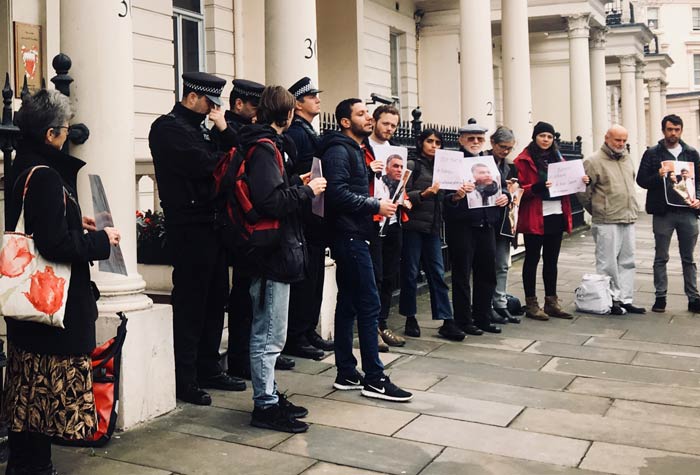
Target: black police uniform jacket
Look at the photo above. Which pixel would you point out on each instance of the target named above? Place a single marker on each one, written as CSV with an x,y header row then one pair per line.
x,y
235,123
348,206
59,237
648,175
273,197
184,157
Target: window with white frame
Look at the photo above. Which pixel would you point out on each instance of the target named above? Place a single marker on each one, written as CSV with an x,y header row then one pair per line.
x,y
653,18
395,59
696,69
696,19
188,39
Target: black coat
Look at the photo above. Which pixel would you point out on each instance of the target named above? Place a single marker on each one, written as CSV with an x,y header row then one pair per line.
x,y
273,197
235,124
184,157
648,176
58,234
307,143
348,206
425,215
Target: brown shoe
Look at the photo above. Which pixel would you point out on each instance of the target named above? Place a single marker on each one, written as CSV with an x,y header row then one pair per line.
x,y
391,338
533,310
383,347
553,309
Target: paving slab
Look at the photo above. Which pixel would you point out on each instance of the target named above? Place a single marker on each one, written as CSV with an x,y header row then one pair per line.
x,y
386,358
305,365
317,385
622,372
608,429
413,379
537,331
676,362
508,359
417,346
443,405
626,460
658,413
365,451
190,455
236,400
84,464
325,468
218,423
530,397
467,462
643,346
484,372
581,352
495,440
499,342
353,415
654,393
674,335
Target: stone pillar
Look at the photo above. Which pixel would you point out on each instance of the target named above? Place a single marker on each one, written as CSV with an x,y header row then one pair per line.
x,y
641,114
664,86
580,82
476,64
628,85
517,97
103,95
290,41
655,113
616,105
599,92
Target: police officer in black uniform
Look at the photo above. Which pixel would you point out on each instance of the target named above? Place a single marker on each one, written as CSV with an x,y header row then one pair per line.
x,y
184,156
305,296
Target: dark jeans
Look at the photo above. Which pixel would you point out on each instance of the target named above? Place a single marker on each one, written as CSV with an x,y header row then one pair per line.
x,y
240,320
200,289
306,296
426,249
685,223
472,250
386,259
30,452
548,245
357,296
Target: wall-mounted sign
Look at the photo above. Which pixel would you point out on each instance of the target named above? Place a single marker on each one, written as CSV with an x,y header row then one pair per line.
x,y
28,57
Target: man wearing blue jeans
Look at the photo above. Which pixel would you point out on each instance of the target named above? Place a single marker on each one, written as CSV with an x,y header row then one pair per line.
x,y
349,210
273,267
670,211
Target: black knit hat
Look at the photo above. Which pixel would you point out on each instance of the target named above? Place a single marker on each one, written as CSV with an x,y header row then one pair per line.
x,y
542,127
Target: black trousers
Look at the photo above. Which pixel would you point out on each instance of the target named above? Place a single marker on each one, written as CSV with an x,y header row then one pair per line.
x,y
386,260
472,251
305,296
240,321
30,452
200,289
549,245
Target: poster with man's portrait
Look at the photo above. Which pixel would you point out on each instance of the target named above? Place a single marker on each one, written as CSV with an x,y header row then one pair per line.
x,y
28,57
394,160
679,183
484,174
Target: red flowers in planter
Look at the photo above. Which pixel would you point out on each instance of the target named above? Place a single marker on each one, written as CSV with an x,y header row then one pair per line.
x,y
15,257
46,291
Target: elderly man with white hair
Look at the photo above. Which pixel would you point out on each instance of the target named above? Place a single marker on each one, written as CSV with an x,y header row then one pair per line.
x,y
611,200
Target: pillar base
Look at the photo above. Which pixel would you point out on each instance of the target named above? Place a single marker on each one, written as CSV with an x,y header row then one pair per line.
x,y
147,384
330,296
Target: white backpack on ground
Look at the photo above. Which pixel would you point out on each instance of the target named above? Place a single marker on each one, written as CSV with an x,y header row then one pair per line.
x,y
593,295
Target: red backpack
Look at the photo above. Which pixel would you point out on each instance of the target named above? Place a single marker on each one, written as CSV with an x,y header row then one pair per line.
x,y
244,229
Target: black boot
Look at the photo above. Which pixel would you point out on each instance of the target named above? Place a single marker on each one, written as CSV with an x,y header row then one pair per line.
x,y
451,331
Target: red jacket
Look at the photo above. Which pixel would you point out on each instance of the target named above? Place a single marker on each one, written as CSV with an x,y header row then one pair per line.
x,y
530,217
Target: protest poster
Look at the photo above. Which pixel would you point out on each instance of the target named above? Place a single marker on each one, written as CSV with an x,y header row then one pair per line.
x,y
509,226
317,202
566,178
394,160
483,172
679,183
450,169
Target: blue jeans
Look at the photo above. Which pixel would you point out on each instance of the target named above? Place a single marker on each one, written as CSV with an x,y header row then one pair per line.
x,y
426,248
267,337
357,296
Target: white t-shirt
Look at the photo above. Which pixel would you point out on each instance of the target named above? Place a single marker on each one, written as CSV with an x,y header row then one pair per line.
x,y
374,143
551,207
676,151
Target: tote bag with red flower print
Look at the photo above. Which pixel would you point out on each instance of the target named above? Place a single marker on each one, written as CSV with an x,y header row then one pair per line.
x,y
32,289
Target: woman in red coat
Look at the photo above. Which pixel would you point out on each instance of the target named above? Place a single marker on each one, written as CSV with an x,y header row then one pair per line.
x,y
542,220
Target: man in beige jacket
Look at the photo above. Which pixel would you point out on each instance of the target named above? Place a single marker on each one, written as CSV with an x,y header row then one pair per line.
x,y
611,200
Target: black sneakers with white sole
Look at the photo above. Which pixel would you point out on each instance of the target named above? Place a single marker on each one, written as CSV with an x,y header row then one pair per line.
x,y
386,390
350,383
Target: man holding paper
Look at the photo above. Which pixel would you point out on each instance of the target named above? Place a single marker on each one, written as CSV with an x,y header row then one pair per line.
x,y
611,199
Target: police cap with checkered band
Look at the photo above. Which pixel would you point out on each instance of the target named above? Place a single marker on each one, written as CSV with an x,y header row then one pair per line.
x,y
205,84
303,87
247,90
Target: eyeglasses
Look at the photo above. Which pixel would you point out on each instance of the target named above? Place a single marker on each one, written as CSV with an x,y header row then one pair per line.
x,y
59,127
504,148
473,138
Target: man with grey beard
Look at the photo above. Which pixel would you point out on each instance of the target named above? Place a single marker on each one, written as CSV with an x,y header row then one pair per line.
x,y
610,198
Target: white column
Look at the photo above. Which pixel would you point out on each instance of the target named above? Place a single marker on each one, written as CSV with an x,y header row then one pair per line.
x,y
517,97
476,64
664,105
599,92
103,95
641,115
579,80
655,113
616,105
290,41
629,100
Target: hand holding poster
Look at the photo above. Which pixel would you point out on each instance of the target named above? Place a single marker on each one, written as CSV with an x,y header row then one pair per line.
x,y
450,169
566,178
317,202
394,160
483,172
679,182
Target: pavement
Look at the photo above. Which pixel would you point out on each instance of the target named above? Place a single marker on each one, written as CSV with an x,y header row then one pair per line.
x,y
596,394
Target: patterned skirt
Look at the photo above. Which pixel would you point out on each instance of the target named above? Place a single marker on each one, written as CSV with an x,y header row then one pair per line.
x,y
49,394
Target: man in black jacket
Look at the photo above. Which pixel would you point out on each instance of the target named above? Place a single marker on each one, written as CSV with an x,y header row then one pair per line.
x,y
274,267
472,245
184,157
349,210
681,218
